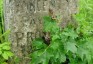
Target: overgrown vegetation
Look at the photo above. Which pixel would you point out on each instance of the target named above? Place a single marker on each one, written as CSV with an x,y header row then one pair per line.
x,y
1,17
71,45
5,52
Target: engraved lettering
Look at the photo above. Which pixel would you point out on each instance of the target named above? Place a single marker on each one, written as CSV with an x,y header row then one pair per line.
x,y
29,35
31,6
32,21
52,2
19,36
38,5
43,5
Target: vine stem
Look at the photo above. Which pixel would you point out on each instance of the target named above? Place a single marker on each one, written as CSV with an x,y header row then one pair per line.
x,y
45,50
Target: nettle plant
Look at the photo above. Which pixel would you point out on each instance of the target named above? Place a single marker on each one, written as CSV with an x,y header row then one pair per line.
x,y
71,45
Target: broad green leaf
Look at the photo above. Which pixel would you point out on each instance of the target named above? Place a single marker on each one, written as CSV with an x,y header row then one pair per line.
x,y
54,45
40,58
71,33
88,57
84,52
55,37
5,56
62,58
71,47
45,58
9,53
50,52
38,44
6,47
6,44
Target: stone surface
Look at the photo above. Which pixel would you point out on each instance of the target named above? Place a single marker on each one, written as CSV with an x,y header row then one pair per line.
x,y
24,18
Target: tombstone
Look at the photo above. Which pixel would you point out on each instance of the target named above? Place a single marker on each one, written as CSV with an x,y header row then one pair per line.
x,y
24,19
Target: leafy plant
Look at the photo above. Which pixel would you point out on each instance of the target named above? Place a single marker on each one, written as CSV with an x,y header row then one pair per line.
x,y
5,52
61,44
1,17
71,45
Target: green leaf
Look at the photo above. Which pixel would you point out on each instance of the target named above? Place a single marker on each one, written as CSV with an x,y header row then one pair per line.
x,y
88,57
5,56
70,32
0,52
5,33
54,45
4,63
40,57
62,58
55,37
45,58
9,53
84,52
71,47
38,44
6,47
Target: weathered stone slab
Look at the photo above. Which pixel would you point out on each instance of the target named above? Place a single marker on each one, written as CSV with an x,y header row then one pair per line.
x,y
24,18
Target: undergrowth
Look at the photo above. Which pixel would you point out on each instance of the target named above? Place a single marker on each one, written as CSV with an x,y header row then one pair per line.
x,y
71,45
5,52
